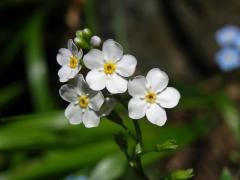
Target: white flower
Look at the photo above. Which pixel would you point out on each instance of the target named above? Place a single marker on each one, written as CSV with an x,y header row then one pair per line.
x,y
150,96
109,67
84,103
69,59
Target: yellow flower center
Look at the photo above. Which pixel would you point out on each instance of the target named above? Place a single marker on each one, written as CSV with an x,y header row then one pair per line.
x,y
151,97
73,62
83,101
109,67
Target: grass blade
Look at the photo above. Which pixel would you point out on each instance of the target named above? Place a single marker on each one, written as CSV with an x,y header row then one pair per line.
x,y
36,66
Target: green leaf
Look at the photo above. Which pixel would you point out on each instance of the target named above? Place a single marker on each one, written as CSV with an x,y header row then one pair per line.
x,y
166,146
52,133
230,113
111,167
182,174
36,66
47,131
62,162
226,175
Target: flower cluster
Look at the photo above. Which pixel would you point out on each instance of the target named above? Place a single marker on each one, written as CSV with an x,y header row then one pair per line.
x,y
109,68
228,58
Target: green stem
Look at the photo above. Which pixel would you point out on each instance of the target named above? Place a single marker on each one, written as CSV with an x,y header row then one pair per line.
x,y
138,131
118,119
138,168
138,160
129,132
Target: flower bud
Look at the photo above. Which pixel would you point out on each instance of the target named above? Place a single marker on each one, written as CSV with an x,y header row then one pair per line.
x,y
76,40
95,41
81,43
79,34
87,33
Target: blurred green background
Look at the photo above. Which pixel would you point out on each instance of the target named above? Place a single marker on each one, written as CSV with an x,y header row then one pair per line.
x,y
36,140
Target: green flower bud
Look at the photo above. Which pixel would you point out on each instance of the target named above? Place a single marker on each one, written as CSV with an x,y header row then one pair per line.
x,y
76,40
80,34
87,33
82,43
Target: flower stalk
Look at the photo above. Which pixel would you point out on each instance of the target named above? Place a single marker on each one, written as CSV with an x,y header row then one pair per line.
x,y
138,160
93,95
135,161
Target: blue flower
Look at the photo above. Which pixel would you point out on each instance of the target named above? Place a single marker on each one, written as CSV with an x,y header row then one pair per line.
x,y
237,41
226,35
228,59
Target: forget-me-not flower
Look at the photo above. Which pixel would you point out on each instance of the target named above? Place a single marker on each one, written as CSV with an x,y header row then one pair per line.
x,y
228,59
109,67
69,59
150,95
226,35
84,103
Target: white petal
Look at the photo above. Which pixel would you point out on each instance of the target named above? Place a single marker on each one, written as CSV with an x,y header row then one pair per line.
x,y
96,101
107,107
63,56
137,108
82,85
72,47
74,114
116,84
96,80
90,119
64,73
157,79
169,98
74,72
68,93
156,115
127,65
112,50
79,54
94,59
138,86
65,52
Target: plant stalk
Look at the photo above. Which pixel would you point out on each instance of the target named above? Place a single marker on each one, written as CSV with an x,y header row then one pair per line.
x,y
138,161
